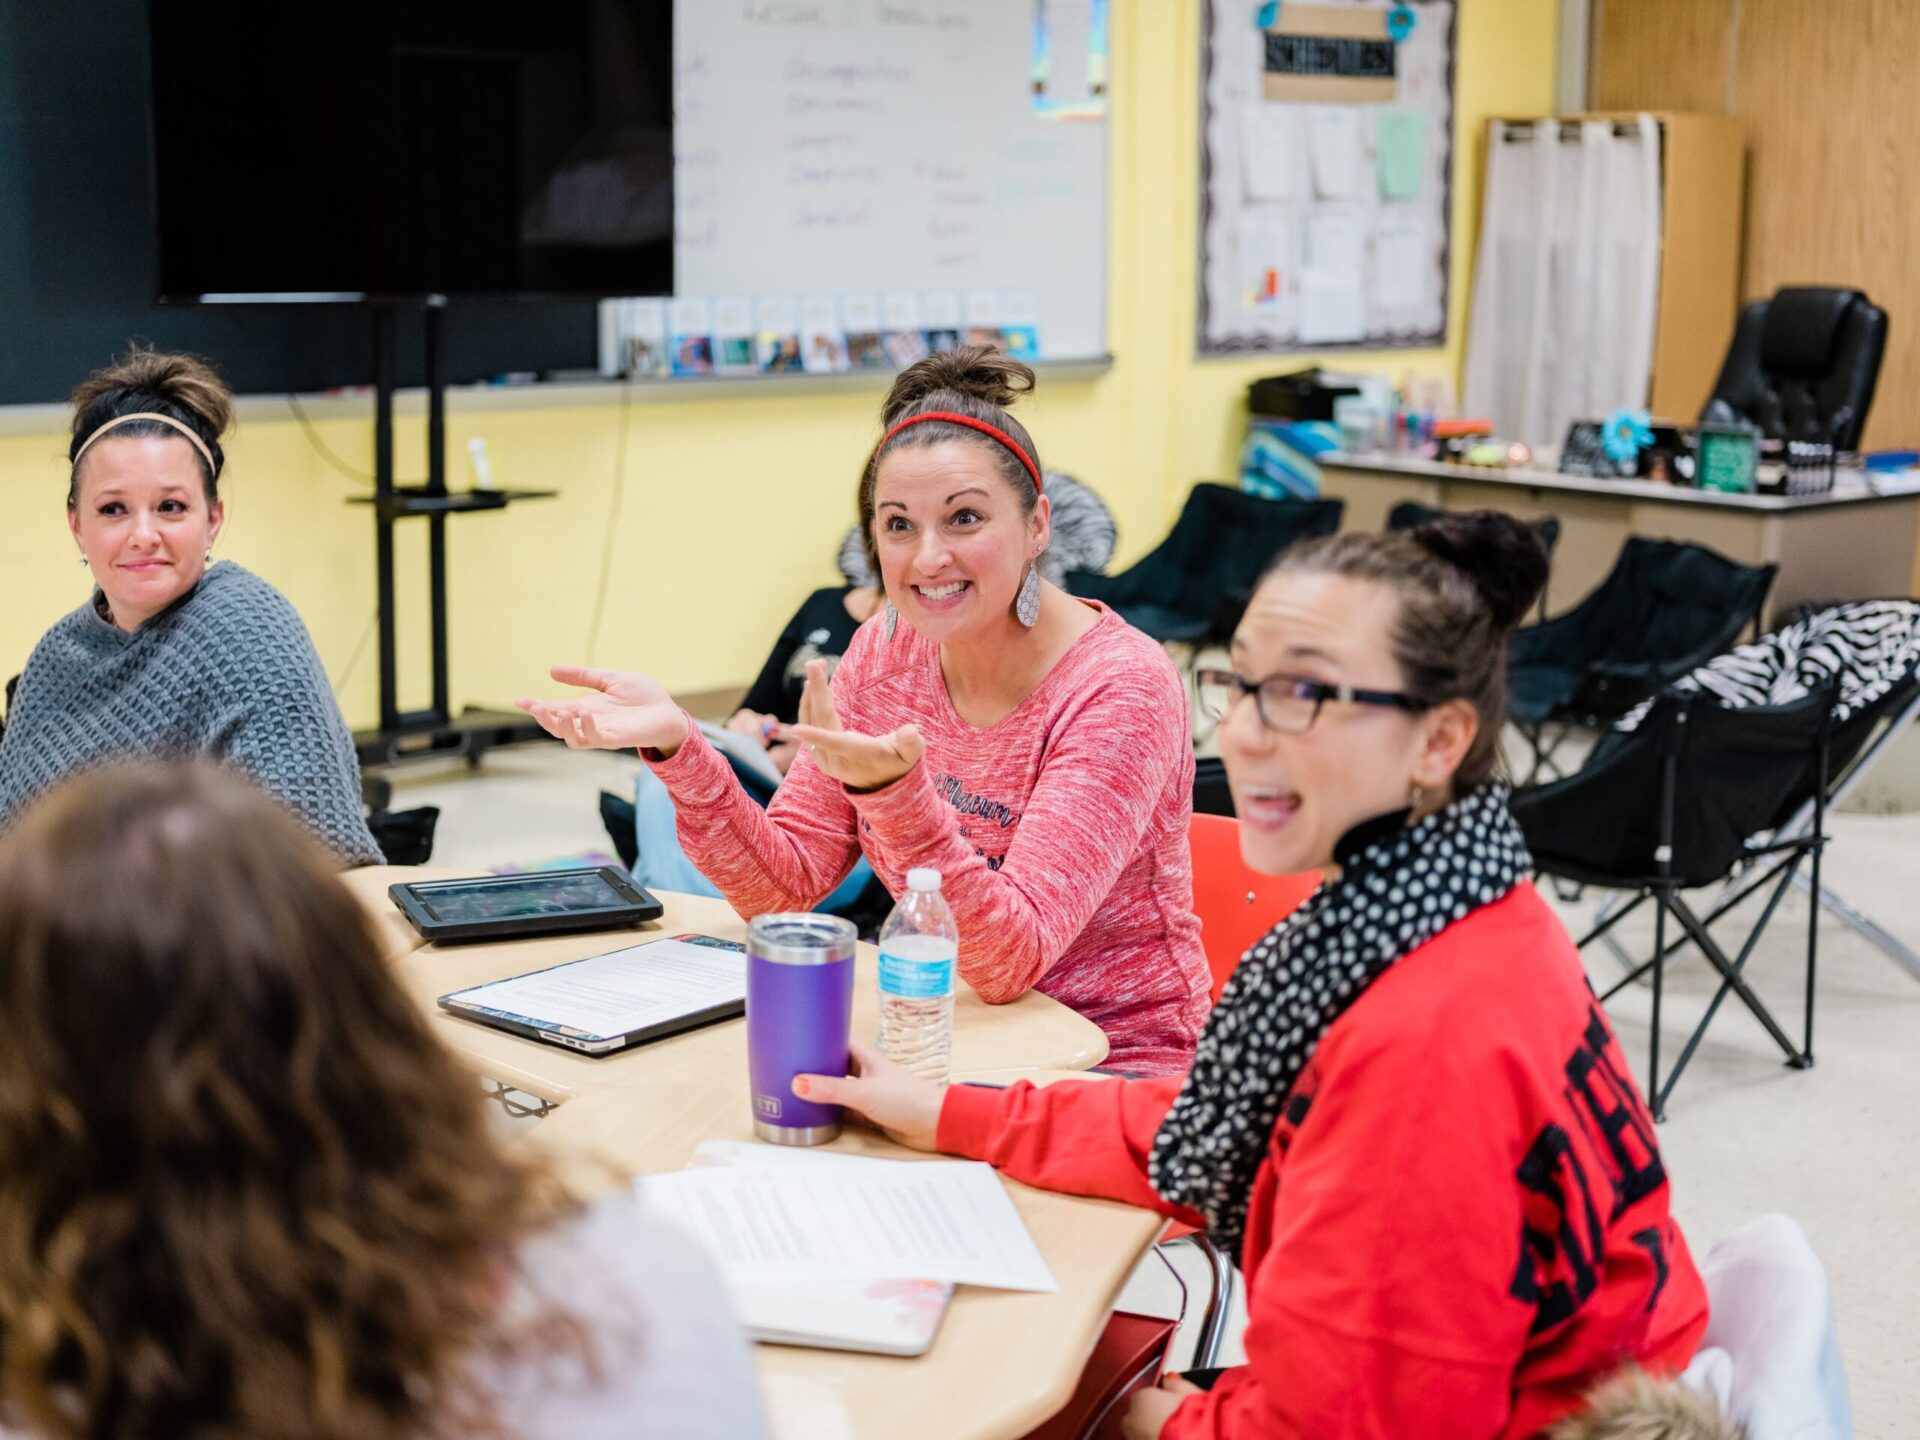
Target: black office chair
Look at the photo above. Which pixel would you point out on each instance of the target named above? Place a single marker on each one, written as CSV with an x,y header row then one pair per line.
x,y
1666,608
1674,805
1802,366
1193,586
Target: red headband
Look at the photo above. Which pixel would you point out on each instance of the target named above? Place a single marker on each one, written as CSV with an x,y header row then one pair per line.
x,y
982,426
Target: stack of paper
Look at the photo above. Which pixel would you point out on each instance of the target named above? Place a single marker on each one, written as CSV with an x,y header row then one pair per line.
x,y
839,1217
845,1251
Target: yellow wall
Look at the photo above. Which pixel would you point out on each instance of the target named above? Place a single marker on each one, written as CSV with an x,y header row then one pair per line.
x,y
733,506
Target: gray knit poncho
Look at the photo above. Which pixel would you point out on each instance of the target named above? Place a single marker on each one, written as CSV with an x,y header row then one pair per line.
x,y
228,671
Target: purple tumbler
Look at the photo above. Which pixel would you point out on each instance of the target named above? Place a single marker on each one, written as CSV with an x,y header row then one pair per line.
x,y
799,1014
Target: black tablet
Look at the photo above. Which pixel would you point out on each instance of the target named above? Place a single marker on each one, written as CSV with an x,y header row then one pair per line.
x,y
505,907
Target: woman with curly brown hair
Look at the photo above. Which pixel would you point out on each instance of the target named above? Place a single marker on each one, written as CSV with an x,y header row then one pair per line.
x,y
244,1191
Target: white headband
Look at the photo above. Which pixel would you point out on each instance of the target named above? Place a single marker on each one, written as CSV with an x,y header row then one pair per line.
x,y
185,429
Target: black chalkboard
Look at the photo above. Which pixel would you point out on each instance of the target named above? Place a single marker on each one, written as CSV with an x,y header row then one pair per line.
x,y
77,263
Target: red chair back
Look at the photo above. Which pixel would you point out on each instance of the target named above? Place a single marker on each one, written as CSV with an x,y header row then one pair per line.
x,y
1236,905
1129,1356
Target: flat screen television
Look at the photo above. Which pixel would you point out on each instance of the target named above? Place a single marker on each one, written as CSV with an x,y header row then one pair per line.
x,y
393,149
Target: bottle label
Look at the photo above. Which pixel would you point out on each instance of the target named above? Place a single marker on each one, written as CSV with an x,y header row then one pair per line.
x,y
915,979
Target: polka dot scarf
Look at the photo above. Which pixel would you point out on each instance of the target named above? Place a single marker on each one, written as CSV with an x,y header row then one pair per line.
x,y
1400,885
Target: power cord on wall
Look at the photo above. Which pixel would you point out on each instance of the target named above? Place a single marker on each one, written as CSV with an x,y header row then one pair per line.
x,y
359,650
613,521
328,454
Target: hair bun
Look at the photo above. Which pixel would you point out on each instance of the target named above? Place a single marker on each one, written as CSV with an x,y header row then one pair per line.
x,y
186,383
1505,558
979,372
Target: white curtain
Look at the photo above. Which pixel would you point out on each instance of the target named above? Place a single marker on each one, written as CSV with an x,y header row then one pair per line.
x,y
1568,276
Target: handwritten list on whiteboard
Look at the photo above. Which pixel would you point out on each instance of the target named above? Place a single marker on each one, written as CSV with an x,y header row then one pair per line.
x,y
854,148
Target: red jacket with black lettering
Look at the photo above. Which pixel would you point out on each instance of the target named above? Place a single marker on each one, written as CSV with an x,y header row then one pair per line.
x,y
1461,1223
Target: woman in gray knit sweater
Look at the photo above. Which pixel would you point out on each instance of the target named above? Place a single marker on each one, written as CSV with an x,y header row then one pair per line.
x,y
175,655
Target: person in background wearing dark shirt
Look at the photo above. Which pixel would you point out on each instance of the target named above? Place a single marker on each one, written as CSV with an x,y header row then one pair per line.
x,y
821,629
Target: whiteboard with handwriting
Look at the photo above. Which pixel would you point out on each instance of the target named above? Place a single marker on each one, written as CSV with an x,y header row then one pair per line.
x,y
887,147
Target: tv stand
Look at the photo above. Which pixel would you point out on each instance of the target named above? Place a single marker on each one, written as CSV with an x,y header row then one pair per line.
x,y
416,734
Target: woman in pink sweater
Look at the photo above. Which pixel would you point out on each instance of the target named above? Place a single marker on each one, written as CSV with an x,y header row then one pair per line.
x,y
1032,747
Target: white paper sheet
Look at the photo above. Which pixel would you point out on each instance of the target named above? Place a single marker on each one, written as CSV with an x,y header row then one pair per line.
x,y
732,315
884,1317
1268,238
625,990
900,310
844,1219
1270,150
1403,261
779,314
940,310
1336,240
689,315
1332,310
859,313
983,308
1069,31
1334,143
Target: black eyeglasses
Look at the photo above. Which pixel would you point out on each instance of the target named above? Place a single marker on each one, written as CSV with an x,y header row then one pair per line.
x,y
1289,703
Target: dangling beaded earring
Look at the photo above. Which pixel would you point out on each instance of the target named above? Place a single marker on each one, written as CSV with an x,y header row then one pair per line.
x,y
1026,605
893,619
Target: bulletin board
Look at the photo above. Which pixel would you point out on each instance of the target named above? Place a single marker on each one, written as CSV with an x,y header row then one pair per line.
x,y
1326,175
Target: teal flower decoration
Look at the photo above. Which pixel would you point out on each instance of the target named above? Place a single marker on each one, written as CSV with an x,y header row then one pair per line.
x,y
1267,14
1624,434
1400,22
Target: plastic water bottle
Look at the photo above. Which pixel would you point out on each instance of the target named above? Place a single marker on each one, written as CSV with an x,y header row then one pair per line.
x,y
918,947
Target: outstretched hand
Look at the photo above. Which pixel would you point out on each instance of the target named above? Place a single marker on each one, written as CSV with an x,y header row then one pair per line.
x,y
626,711
891,1097
860,762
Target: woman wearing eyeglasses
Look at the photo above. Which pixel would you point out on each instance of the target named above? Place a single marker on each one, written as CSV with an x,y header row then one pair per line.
x,y
1407,1119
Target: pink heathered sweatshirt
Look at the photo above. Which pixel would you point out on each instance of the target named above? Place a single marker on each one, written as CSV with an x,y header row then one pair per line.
x,y
1060,833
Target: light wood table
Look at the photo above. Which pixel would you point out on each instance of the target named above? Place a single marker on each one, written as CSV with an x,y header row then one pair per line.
x,y
1002,1363
988,1040
392,931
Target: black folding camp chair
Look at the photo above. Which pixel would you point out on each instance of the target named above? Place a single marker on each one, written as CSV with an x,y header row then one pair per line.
x,y
1665,609
1193,585
1699,793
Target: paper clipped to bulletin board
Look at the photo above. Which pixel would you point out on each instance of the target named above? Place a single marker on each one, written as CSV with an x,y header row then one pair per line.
x,y
1327,175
